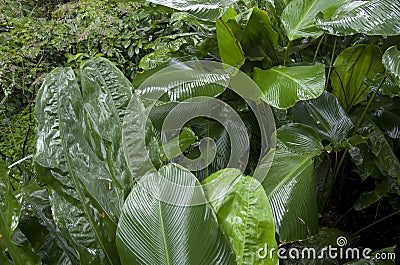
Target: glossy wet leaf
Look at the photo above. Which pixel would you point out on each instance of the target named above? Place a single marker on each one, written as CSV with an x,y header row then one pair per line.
x,y
375,17
80,156
381,148
298,17
198,8
244,214
299,138
10,214
45,238
391,61
283,86
152,231
325,115
352,67
291,187
193,82
389,121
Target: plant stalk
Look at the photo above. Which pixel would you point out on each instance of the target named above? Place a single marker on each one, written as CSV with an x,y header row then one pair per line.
x,y
374,223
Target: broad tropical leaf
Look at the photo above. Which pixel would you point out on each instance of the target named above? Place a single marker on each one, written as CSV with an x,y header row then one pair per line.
x,y
244,214
382,189
299,138
325,115
352,67
284,86
194,81
48,242
299,15
10,213
375,17
291,187
152,231
80,156
391,61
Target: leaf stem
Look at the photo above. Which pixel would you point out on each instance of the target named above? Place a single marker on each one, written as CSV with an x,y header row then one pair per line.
x,y
374,223
286,53
331,63
318,47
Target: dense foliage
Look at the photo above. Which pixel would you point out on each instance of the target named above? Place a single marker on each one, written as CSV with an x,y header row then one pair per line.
x,y
330,70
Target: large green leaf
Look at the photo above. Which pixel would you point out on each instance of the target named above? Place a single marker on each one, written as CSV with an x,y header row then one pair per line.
x,y
382,189
299,15
284,86
251,36
244,214
194,81
375,17
152,231
352,67
290,184
10,213
325,115
80,156
204,9
230,49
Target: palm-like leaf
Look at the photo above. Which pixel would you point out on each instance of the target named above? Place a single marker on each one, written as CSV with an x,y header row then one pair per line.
x,y
152,231
299,15
290,184
284,86
375,17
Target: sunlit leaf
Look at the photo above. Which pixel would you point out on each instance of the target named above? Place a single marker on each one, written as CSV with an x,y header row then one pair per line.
x,y
244,214
375,17
299,15
284,86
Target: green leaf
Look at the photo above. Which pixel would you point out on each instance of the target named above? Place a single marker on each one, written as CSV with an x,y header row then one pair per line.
x,y
43,234
152,231
284,86
352,67
299,138
229,46
391,61
80,156
299,15
381,190
388,120
198,8
244,214
291,187
381,148
194,82
10,211
325,115
375,17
